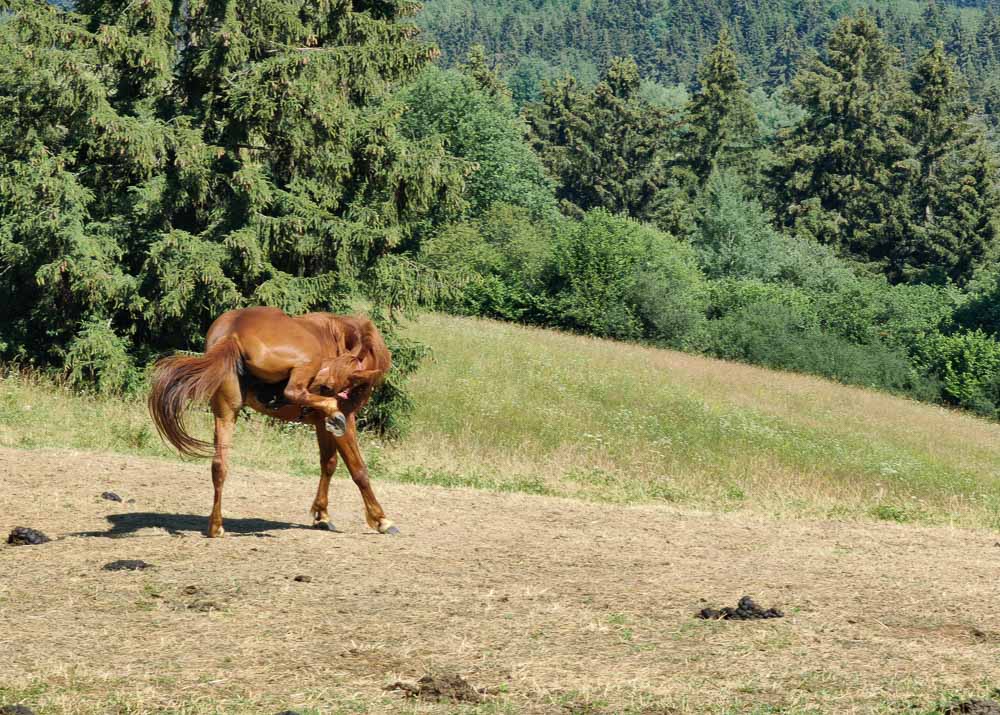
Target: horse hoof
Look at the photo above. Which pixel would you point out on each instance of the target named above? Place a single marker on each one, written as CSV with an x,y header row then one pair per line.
x,y
391,531
337,424
324,526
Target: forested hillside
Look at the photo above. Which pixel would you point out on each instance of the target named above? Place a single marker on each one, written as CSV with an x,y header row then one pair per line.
x,y
687,179
532,40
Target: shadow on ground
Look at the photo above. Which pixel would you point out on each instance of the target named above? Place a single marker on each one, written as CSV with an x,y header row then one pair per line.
x,y
125,524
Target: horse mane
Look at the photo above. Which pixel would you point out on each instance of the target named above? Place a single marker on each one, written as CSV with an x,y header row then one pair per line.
x,y
358,334
381,358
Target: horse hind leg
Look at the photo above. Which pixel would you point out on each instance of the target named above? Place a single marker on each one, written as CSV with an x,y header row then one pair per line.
x,y
225,405
327,465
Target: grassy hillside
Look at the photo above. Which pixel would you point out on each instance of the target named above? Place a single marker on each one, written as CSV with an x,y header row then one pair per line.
x,y
509,408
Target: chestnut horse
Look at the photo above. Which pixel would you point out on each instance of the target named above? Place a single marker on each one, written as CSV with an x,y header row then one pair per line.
x,y
317,368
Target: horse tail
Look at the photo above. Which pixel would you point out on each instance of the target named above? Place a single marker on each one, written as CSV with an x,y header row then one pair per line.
x,y
179,379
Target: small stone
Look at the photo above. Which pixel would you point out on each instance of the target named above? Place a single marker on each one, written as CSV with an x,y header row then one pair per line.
x,y
110,496
23,536
304,579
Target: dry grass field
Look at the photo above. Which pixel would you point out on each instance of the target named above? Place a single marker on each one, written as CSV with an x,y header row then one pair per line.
x,y
567,506
555,605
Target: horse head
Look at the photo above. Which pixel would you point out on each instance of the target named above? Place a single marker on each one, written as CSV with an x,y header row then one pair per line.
x,y
359,366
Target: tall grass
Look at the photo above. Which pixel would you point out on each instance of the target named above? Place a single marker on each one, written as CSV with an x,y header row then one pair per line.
x,y
509,408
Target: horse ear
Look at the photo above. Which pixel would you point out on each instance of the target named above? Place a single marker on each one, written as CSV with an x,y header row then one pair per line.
x,y
365,376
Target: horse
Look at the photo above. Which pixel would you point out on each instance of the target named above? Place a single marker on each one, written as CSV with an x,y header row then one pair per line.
x,y
317,369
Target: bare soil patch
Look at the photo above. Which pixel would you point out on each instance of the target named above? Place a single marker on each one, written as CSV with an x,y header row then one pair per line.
x,y
544,603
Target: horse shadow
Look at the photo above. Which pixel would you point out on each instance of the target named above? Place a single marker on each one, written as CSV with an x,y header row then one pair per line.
x,y
182,524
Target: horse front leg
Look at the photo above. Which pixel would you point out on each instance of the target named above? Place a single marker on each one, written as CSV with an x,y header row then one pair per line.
x,y
347,445
297,392
327,465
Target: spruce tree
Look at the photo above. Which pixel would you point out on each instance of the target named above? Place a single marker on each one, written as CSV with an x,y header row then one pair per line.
x,y
842,173
607,148
721,119
784,61
955,202
164,162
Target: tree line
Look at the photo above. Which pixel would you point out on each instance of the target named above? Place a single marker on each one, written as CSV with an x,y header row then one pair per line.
x,y
542,40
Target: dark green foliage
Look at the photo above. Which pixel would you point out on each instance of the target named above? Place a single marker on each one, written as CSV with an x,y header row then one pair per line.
x,y
617,278
165,162
842,172
722,124
477,122
610,148
543,39
606,146
954,195
899,179
981,311
778,335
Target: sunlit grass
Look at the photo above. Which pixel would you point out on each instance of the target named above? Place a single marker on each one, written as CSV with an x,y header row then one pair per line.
x,y
508,408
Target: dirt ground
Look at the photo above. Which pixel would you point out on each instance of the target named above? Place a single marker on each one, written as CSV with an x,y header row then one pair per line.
x,y
552,605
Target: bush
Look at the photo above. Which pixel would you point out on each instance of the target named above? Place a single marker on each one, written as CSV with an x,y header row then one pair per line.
x,y
968,365
617,278
732,294
982,309
774,334
504,258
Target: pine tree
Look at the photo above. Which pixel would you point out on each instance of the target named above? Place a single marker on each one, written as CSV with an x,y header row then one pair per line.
x,y
954,195
723,124
843,172
199,156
